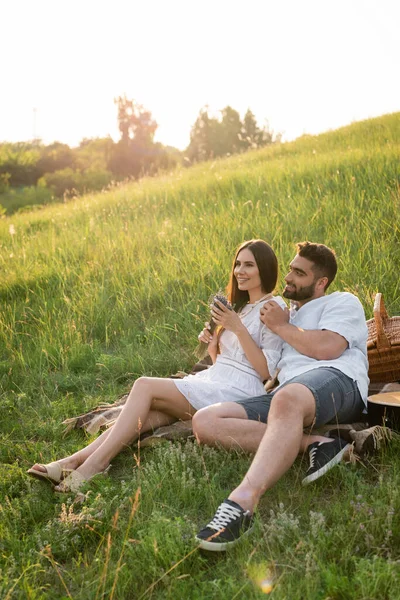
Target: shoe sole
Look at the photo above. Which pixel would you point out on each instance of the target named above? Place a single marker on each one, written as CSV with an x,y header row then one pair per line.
x,y
334,461
217,547
42,476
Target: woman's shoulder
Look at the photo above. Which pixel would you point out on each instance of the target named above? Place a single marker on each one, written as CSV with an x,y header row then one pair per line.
x,y
279,300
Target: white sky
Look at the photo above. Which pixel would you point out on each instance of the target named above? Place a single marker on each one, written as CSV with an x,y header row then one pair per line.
x,y
306,66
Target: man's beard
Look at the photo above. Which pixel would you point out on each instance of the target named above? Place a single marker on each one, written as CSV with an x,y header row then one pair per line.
x,y
305,293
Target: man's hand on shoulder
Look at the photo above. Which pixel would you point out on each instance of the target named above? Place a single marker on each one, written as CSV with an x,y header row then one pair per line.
x,y
273,316
321,344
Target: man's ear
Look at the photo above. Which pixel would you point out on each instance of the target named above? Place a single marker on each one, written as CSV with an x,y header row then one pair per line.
x,y
322,283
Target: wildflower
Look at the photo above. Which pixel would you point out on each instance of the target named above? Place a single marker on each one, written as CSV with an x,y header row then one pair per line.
x,y
11,229
266,586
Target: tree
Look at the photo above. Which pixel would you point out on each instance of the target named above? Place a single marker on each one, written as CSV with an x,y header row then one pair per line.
x,y
203,137
211,137
134,121
254,136
94,153
231,127
135,153
19,164
250,131
55,157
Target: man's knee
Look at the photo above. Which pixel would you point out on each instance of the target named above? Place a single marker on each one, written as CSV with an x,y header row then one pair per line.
x,y
204,424
293,399
208,422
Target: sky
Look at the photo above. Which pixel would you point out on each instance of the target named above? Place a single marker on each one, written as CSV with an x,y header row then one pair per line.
x,y
302,66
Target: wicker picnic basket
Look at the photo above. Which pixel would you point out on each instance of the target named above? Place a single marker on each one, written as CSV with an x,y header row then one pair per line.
x,y
383,344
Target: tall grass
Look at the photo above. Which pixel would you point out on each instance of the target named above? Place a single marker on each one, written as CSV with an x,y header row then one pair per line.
x,y
111,286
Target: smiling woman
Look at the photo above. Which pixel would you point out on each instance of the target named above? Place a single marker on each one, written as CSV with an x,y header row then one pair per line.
x,y
244,353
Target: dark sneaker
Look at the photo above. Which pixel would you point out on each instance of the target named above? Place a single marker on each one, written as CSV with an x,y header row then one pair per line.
x,y
229,524
324,456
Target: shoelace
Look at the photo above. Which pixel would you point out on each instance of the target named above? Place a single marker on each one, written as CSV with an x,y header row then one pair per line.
x,y
224,515
313,452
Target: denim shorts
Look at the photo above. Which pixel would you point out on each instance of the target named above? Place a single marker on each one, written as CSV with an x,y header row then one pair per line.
x,y
337,398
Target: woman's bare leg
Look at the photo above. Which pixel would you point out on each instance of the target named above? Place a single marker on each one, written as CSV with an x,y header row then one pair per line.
x,y
154,420
157,396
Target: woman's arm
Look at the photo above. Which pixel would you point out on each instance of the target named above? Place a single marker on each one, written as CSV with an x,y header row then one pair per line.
x,y
207,337
230,320
254,354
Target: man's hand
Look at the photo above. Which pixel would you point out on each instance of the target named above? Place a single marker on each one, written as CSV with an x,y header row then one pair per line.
x,y
321,344
273,316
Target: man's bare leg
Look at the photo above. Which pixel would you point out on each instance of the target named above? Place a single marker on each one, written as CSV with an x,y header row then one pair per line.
x,y
227,425
292,410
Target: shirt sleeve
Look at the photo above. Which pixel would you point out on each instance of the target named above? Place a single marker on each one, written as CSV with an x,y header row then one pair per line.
x,y
345,316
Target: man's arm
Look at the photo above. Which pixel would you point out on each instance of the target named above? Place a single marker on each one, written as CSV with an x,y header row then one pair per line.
x,y
315,343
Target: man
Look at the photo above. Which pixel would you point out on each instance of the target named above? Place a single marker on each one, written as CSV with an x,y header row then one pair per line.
x,y
323,375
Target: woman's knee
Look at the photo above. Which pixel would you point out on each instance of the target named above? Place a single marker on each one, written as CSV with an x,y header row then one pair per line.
x,y
142,381
142,385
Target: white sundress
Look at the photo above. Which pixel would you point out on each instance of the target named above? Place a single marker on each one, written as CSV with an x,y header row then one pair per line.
x,y
232,377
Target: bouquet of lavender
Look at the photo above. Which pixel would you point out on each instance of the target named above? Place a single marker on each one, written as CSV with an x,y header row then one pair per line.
x,y
202,349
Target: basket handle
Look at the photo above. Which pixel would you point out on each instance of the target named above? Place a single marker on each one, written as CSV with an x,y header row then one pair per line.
x,y
380,315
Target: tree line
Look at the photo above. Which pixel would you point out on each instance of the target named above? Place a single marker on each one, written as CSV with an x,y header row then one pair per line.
x,y
34,173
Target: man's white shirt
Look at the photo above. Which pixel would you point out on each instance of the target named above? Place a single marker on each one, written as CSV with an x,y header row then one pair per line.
x,y
342,313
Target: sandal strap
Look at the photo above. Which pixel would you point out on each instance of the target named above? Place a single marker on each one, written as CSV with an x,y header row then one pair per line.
x,y
72,483
52,471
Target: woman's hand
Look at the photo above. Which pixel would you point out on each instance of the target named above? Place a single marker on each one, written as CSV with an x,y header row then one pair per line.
x,y
226,317
205,335
211,339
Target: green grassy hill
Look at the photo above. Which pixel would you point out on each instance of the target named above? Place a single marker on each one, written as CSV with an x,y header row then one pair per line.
x,y
98,291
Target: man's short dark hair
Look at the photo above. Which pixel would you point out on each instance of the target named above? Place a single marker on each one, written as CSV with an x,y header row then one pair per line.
x,y
322,257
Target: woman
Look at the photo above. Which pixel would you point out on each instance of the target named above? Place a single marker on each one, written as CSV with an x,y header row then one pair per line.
x,y
249,353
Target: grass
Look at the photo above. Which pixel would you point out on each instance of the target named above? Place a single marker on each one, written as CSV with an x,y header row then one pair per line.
x,y
111,286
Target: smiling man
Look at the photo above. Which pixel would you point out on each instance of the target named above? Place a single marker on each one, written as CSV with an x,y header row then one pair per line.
x,y
323,378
